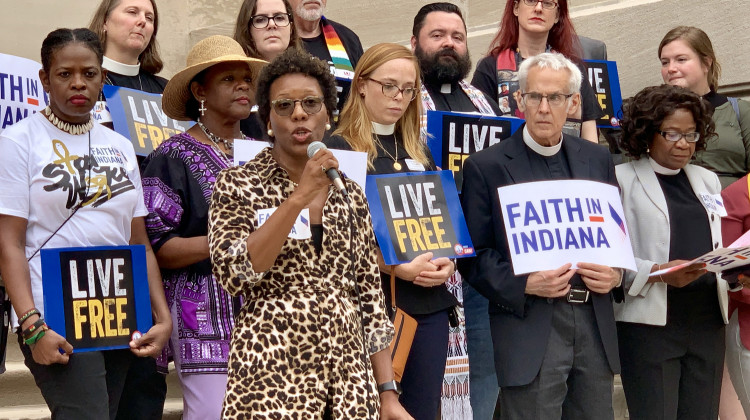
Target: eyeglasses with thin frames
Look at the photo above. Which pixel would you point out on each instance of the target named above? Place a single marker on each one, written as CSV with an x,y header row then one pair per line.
x,y
546,4
534,99
262,21
391,91
674,136
285,107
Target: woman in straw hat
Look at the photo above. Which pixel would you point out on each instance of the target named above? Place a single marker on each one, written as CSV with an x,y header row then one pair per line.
x,y
311,339
216,90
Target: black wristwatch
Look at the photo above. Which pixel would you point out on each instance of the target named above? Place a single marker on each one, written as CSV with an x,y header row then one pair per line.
x,y
389,386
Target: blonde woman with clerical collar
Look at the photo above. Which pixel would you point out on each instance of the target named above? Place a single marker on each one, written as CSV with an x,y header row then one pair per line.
x,y
381,118
67,182
127,31
216,89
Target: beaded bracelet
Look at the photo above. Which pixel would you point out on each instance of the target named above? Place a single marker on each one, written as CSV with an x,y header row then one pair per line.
x,y
38,336
28,314
28,332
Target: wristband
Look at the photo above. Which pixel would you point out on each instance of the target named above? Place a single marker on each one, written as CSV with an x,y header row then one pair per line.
x,y
28,314
28,332
36,337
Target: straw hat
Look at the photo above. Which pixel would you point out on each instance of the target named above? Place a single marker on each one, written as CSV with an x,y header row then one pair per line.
x,y
206,53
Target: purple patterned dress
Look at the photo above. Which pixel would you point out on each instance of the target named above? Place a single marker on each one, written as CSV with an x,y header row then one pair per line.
x,y
178,179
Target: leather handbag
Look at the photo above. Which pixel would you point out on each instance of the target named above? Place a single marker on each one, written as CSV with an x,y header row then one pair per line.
x,y
405,327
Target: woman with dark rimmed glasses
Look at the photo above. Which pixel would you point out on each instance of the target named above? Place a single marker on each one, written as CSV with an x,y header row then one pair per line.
x,y
382,119
670,327
265,29
311,339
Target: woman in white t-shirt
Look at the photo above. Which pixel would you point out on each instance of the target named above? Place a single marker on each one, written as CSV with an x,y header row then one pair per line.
x,y
67,182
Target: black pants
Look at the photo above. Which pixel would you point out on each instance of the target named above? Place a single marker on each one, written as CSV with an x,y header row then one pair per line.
x,y
422,383
88,387
672,372
144,393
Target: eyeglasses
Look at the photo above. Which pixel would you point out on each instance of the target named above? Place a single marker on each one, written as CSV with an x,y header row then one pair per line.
x,y
279,19
553,99
675,136
285,107
546,4
391,91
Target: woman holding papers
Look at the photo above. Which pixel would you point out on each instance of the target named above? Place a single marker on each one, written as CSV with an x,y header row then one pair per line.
x,y
127,30
671,325
68,182
215,90
688,60
311,339
265,29
383,121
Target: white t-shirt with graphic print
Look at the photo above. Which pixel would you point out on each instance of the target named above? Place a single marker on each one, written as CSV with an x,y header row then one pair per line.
x,y
43,173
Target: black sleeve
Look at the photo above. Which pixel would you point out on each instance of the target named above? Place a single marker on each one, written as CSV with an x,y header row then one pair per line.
x,y
351,42
590,109
337,142
485,77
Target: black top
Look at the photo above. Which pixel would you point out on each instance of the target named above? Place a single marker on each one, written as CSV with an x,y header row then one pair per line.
x,y
689,238
485,79
253,127
548,168
457,100
715,99
146,82
318,48
412,299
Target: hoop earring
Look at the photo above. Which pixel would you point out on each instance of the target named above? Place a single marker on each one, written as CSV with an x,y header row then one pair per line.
x,y
203,108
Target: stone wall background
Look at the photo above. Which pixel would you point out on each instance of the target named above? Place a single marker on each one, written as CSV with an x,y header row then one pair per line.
x,y
632,29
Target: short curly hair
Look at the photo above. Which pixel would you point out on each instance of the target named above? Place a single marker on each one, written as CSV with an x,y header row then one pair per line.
x,y
295,61
644,113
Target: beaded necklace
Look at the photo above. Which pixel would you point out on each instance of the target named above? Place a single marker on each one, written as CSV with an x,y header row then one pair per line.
x,y
74,129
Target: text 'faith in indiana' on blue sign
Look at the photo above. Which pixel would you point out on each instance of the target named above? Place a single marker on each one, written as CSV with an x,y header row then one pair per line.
x,y
97,298
417,212
551,223
452,137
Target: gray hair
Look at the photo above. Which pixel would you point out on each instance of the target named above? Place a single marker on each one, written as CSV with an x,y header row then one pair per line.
x,y
554,61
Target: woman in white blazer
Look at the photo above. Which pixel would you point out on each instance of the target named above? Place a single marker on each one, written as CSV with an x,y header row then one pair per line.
x,y
670,327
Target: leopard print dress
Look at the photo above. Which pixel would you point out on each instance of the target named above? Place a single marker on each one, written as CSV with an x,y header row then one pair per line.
x,y
297,348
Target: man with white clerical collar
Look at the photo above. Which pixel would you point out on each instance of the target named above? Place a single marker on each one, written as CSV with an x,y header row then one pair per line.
x,y
330,41
439,42
553,331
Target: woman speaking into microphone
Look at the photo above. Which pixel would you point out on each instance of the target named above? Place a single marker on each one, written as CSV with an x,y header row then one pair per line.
x,y
313,326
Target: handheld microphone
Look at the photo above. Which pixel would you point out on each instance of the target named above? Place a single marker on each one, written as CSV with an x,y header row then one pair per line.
x,y
332,173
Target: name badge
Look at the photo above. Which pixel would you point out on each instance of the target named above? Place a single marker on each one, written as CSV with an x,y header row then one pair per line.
x,y
713,203
413,165
301,228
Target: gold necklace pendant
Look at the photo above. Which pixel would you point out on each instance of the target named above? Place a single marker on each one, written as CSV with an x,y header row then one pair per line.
x,y
396,166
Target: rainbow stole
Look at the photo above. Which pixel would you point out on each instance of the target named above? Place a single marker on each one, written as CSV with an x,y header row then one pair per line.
x,y
343,68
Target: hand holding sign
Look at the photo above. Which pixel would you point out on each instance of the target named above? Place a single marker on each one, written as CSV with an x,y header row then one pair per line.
x,y
151,343
46,351
443,271
599,278
683,274
550,283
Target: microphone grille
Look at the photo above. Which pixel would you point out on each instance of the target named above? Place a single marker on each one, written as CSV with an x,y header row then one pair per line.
x,y
313,148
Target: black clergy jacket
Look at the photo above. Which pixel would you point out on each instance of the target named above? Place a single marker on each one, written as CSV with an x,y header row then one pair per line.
x,y
520,324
